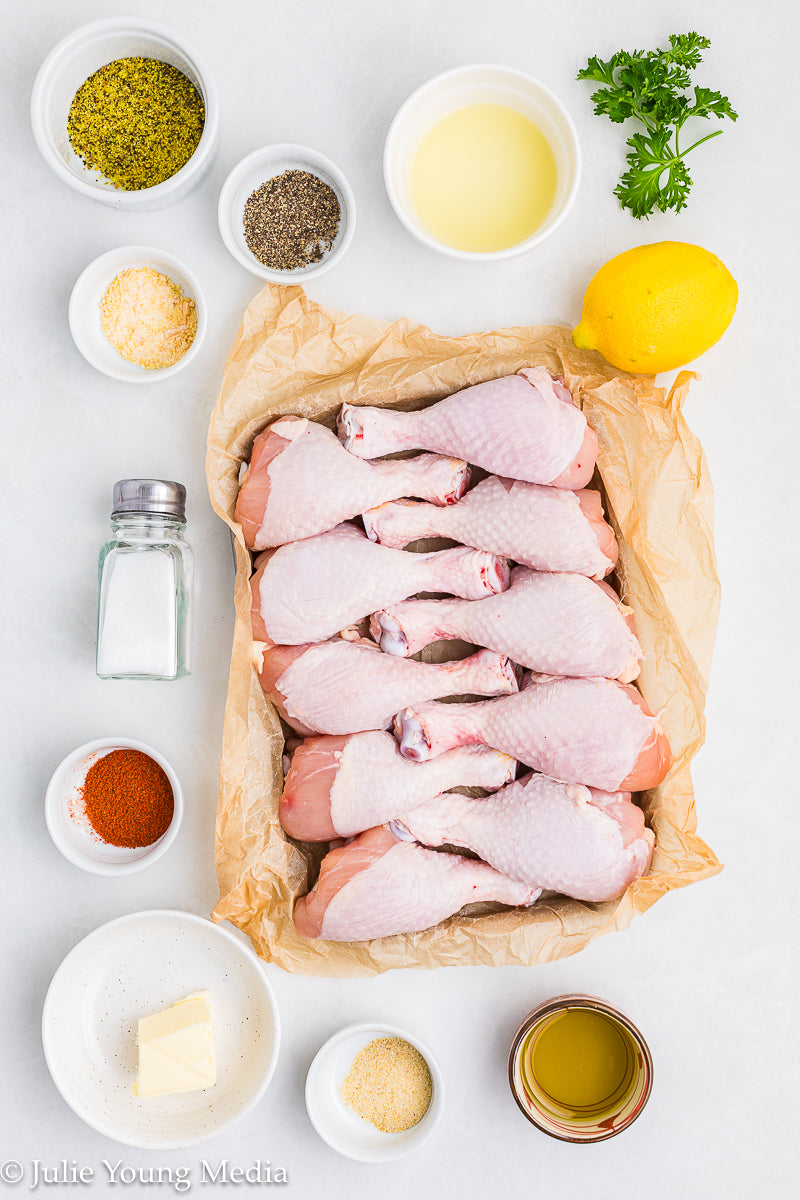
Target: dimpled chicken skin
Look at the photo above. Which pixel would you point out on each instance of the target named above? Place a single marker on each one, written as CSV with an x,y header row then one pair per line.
x,y
548,529
556,623
579,841
524,426
592,731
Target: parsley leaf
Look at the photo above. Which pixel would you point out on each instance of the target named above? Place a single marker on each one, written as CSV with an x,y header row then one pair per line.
x,y
654,178
653,88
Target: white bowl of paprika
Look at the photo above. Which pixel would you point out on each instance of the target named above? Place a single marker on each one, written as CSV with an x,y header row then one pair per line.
x,y
113,806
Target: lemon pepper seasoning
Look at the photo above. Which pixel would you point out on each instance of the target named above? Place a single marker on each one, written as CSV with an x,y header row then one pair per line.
x,y
137,121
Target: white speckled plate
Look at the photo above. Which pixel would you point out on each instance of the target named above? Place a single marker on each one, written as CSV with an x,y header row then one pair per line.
x,y
137,965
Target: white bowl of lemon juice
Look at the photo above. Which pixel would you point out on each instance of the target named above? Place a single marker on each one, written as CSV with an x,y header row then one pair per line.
x,y
482,162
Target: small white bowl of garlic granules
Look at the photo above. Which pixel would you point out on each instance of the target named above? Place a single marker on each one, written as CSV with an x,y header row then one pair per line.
x,y
374,1093
137,314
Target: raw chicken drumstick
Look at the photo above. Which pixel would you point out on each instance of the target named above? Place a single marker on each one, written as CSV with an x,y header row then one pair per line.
x,y
561,836
309,590
525,426
301,481
559,624
339,786
344,687
378,885
549,529
592,731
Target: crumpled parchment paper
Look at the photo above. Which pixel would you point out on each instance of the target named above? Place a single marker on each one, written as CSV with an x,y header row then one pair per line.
x,y
291,355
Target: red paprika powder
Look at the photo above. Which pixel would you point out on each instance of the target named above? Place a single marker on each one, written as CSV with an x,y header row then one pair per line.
x,y
128,798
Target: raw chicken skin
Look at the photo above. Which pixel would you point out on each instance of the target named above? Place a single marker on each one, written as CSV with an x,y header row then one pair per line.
x,y
309,590
525,426
592,731
548,529
301,481
344,687
560,624
377,885
340,786
562,836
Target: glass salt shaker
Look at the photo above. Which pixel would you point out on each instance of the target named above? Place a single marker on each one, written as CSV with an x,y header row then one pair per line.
x,y
145,584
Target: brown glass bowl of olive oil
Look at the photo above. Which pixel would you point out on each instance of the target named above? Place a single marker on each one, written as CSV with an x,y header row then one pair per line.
x,y
579,1069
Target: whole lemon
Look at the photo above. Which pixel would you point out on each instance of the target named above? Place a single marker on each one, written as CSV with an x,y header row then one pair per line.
x,y
657,307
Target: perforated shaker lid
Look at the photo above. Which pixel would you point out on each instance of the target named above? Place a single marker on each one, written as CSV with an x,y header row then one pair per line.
x,y
149,496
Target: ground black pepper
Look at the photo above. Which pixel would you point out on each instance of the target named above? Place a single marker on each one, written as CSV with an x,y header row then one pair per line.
x,y
291,220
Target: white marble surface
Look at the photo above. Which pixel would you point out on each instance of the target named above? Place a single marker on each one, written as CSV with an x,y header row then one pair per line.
x,y
710,973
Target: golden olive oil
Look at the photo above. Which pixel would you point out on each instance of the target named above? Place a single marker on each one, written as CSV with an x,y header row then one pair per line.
x,y
483,178
580,1063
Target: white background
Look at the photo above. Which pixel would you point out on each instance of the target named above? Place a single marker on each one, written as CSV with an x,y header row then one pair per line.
x,y
710,973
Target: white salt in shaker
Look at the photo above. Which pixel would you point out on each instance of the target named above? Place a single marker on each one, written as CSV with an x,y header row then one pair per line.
x,y
145,584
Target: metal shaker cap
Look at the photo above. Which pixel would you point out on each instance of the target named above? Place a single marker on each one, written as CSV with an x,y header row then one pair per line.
x,y
149,496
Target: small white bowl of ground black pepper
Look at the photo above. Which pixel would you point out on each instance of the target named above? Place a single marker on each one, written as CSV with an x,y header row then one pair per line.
x,y
137,314
374,1093
287,213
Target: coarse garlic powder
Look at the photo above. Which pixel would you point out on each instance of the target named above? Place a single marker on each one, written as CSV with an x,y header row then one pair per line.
x,y
389,1085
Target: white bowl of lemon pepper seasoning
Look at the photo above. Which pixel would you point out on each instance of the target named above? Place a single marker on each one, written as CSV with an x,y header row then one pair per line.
x,y
137,314
125,113
374,1093
286,213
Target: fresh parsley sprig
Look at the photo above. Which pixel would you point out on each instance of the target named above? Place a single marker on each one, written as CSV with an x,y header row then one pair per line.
x,y
653,88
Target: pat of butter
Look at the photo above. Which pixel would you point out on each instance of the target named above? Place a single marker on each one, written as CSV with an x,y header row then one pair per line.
x,y
176,1049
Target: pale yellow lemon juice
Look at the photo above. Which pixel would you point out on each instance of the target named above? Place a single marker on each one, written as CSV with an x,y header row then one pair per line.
x,y
483,178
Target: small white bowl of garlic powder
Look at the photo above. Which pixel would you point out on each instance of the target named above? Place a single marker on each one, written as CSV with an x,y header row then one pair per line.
x,y
374,1093
137,314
